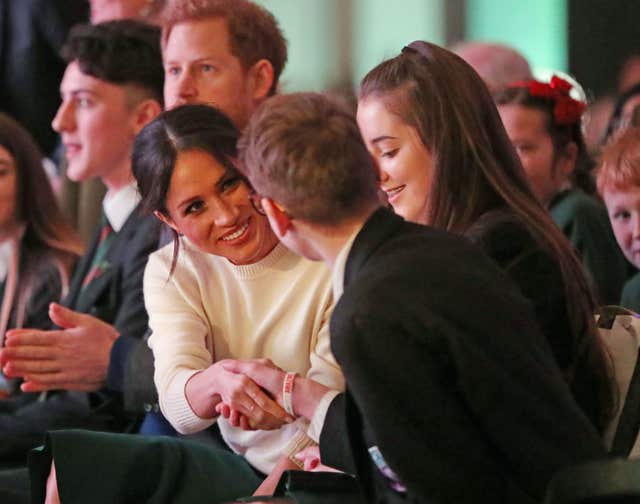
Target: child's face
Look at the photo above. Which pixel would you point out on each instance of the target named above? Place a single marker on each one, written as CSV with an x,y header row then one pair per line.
x,y
527,130
623,206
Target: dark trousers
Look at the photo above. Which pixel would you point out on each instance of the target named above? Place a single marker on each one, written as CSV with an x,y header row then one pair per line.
x,y
25,418
14,486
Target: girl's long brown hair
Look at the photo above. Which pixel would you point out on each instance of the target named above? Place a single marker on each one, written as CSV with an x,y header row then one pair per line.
x,y
477,170
48,237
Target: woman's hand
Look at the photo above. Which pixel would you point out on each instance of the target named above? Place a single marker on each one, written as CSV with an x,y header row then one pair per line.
x,y
268,486
207,389
262,371
238,420
310,457
306,394
265,374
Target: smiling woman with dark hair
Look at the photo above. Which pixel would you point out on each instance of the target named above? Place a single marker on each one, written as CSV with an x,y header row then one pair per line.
x,y
445,160
225,289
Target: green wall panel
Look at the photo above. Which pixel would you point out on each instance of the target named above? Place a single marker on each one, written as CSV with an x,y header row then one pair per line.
x,y
536,28
382,27
311,28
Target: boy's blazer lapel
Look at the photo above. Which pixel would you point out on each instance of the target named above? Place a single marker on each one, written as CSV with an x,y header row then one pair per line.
x,y
86,300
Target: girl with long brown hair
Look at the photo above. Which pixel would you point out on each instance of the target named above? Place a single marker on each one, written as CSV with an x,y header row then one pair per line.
x,y
445,160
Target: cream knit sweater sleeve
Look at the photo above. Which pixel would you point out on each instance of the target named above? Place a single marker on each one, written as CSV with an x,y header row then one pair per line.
x,y
179,332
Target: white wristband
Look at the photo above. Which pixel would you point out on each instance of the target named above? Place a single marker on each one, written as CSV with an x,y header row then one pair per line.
x,y
287,392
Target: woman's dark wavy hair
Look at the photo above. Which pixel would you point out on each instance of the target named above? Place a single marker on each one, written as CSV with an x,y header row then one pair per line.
x,y
48,237
561,134
156,148
476,170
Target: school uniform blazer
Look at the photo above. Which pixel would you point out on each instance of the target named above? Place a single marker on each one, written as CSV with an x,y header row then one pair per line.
x,y
47,287
447,374
116,296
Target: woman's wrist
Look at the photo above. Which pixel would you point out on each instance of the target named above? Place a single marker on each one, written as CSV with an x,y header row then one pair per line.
x,y
200,392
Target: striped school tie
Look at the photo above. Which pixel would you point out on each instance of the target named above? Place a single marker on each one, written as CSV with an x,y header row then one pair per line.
x,y
99,265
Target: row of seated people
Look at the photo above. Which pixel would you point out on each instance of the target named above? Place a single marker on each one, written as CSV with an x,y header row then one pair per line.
x,y
229,290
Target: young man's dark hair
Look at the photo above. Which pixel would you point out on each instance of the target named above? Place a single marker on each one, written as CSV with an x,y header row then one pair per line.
x,y
124,52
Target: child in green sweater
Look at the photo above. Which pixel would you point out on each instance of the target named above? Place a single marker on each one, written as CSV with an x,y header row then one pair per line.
x,y
618,180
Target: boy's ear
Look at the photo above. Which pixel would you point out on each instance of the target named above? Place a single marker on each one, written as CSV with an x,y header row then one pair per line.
x,y
166,220
145,112
278,219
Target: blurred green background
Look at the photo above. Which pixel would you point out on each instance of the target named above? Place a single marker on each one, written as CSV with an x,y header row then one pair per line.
x,y
333,43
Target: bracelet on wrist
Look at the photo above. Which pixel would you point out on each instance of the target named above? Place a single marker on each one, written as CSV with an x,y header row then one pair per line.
x,y
287,392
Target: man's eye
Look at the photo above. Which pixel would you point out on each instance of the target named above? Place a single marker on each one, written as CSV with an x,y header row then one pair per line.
x,y
208,68
172,71
83,102
623,215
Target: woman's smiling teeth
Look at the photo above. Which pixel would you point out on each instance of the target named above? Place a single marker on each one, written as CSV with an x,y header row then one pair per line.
x,y
236,234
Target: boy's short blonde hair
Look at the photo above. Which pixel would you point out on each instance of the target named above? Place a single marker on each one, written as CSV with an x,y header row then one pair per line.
x,y
619,167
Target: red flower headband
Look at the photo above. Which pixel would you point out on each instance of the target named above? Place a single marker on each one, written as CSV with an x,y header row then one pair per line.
x,y
566,110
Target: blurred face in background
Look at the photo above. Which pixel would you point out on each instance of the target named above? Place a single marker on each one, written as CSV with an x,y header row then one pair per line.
x,y
107,10
547,172
8,193
623,206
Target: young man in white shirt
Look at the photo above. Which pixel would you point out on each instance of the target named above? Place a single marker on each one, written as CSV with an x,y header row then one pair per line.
x,y
111,89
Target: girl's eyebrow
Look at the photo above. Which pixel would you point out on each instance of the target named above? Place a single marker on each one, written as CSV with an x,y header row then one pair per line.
x,y
381,138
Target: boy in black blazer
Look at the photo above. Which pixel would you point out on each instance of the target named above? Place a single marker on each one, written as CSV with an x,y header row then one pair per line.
x,y
453,394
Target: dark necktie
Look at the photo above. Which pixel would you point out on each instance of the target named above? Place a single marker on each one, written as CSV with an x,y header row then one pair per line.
x,y
99,265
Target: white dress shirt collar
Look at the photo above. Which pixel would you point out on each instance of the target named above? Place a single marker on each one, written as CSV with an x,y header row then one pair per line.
x,y
118,206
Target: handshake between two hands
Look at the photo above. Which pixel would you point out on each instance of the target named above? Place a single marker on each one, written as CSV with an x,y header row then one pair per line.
x,y
251,397
264,383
